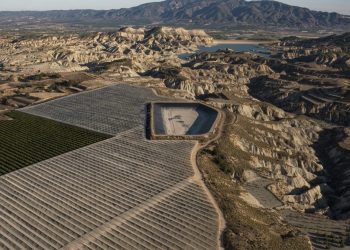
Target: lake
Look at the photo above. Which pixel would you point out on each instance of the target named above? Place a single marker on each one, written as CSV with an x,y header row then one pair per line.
x,y
255,48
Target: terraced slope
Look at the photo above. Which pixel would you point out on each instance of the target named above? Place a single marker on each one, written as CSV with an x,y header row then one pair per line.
x,y
126,192
323,233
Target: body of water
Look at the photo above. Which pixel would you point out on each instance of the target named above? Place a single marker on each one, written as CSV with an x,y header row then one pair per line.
x,y
254,48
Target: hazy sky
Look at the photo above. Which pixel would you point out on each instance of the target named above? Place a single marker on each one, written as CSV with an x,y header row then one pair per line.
x,y
342,6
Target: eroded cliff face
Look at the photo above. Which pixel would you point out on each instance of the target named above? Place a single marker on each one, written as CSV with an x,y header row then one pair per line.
x,y
73,53
207,73
329,102
41,67
313,78
278,144
274,144
333,147
332,51
332,57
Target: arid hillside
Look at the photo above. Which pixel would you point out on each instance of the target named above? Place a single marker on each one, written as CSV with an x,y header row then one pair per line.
x,y
280,169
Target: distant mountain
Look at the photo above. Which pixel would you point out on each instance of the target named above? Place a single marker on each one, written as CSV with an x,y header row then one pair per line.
x,y
342,41
196,12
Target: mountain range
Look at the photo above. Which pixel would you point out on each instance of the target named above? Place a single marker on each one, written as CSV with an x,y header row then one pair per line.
x,y
192,12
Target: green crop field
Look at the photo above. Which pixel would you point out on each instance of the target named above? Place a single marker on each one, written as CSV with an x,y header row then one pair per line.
x,y
28,139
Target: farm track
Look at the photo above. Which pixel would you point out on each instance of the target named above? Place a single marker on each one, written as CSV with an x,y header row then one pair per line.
x,y
126,192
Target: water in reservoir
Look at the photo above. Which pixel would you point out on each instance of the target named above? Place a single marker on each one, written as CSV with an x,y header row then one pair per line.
x,y
255,48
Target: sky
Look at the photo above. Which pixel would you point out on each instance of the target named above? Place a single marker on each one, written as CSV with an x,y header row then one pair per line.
x,y
341,6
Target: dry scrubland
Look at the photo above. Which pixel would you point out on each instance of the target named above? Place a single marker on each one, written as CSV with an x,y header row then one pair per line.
x,y
36,67
269,161
125,192
289,146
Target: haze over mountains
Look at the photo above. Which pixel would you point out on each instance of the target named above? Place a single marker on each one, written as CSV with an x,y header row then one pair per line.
x,y
193,12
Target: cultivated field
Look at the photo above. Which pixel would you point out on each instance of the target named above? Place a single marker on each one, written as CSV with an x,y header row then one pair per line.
x,y
26,139
125,192
109,110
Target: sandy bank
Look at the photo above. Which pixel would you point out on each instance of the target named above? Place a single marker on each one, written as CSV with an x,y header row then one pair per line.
x,y
241,42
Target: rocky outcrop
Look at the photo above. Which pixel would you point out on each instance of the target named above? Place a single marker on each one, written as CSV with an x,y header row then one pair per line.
x,y
313,78
333,147
145,48
334,41
277,145
328,104
207,73
332,51
298,157
266,140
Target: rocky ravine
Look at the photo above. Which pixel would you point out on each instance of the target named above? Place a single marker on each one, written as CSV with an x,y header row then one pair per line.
x,y
314,78
274,142
208,73
305,89
305,160
46,66
76,52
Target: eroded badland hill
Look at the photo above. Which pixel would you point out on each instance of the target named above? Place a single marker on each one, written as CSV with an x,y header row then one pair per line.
x,y
280,170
